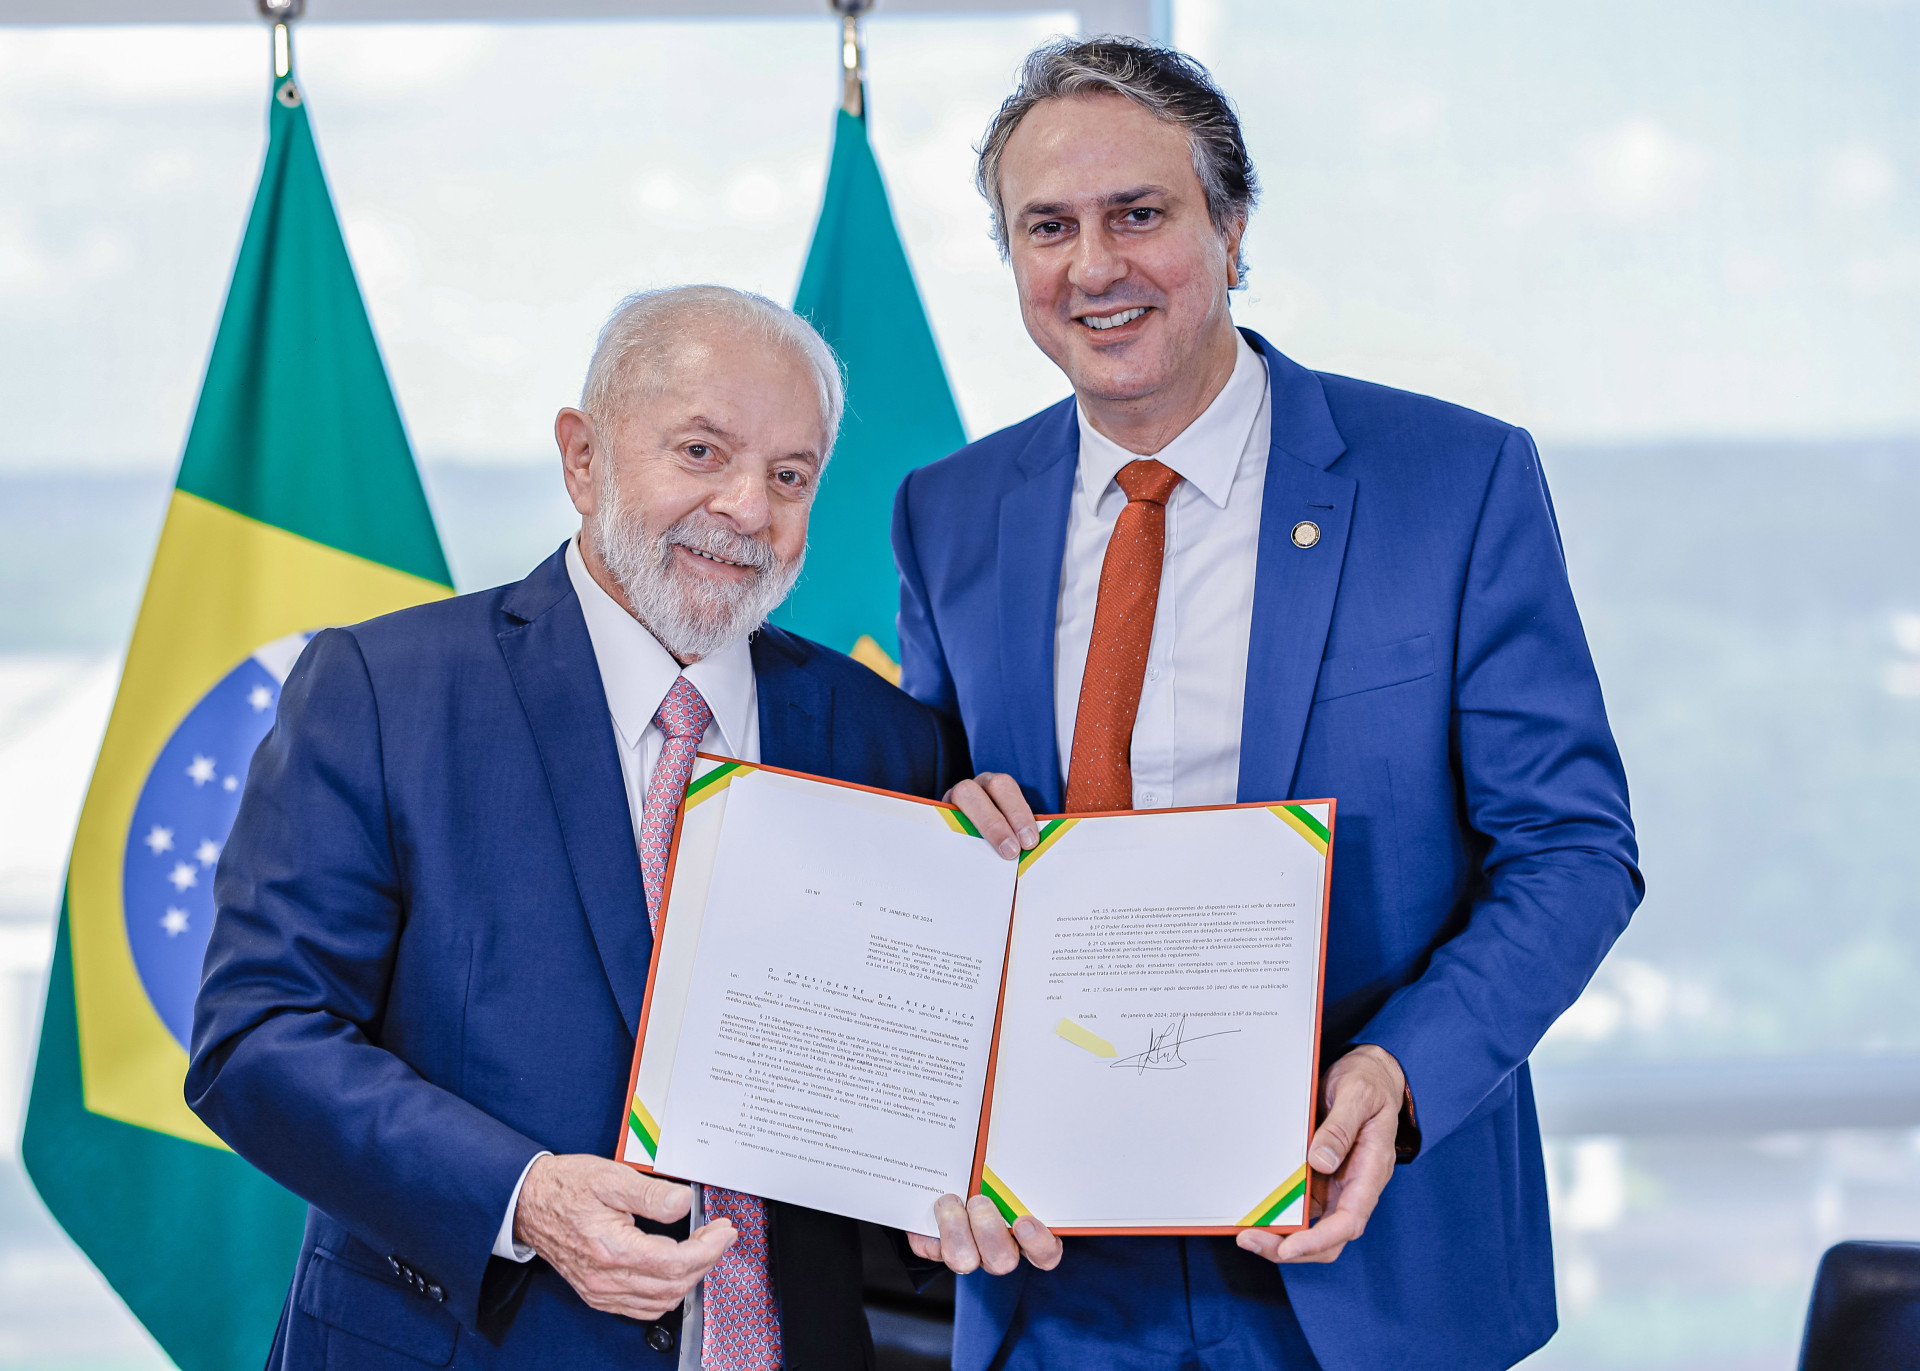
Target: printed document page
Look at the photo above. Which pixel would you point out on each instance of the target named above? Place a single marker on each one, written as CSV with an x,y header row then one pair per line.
x,y
838,1013
1157,1053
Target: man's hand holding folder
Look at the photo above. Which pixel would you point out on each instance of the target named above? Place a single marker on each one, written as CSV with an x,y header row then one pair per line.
x,y
1352,1152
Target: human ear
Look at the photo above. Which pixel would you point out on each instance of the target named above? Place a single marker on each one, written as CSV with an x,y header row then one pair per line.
x,y
579,445
1235,232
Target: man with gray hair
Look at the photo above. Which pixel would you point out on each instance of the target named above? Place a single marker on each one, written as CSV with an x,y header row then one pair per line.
x,y
1214,576
436,907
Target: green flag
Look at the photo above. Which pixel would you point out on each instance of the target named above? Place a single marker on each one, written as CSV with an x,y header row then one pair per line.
x,y
297,506
858,290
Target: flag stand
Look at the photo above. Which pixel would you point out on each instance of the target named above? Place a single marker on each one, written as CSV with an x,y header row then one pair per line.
x,y
281,14
858,289
853,68
297,505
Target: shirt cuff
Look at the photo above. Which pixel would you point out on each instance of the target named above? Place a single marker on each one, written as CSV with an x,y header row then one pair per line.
x,y
503,1244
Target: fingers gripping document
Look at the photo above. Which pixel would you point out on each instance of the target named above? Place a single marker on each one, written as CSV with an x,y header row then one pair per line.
x,y
856,1005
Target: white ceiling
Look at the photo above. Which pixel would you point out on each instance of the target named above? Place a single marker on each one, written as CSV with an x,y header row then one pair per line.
x,y
1143,17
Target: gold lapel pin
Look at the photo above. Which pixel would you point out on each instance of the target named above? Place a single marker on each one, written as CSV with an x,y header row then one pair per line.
x,y
1306,533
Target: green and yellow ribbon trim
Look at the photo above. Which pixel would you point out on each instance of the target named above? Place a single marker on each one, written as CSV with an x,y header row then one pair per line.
x,y
644,1127
1302,821
707,786
1002,1196
959,822
1277,1203
1050,833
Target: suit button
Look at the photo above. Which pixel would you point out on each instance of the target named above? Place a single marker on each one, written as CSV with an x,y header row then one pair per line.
x,y
660,1338
436,1294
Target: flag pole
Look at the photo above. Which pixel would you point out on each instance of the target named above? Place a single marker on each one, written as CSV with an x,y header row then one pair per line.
x,y
853,57
281,14
857,288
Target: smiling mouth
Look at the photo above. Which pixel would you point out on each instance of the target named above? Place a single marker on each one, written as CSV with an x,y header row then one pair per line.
x,y
1100,323
722,561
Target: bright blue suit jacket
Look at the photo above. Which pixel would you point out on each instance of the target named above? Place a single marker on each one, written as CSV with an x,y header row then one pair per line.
x,y
428,962
1422,663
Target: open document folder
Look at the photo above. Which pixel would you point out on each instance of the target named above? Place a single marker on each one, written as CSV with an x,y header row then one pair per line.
x,y
856,1005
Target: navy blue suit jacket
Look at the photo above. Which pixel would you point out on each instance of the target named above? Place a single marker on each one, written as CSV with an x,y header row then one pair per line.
x,y
428,963
1423,663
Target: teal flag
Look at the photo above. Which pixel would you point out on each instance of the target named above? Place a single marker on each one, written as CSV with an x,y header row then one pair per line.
x,y
297,506
858,290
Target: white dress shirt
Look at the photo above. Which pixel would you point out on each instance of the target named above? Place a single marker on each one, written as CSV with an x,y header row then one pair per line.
x,y
636,673
1186,738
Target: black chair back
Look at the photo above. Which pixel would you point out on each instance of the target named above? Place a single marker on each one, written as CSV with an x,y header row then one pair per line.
x,y
1865,1312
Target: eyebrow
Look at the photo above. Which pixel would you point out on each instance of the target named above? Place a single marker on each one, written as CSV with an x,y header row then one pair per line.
x,y
701,421
1118,199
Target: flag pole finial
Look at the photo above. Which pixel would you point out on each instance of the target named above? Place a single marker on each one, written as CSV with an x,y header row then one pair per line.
x,y
281,14
853,73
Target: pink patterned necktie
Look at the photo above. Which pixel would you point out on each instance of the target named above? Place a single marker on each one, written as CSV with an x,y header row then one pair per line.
x,y
741,1331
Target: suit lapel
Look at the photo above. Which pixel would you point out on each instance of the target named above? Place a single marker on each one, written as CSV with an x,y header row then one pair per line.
x,y
1033,542
795,708
1294,588
550,658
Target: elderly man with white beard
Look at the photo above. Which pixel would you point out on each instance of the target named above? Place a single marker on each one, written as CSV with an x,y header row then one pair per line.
x,y
436,907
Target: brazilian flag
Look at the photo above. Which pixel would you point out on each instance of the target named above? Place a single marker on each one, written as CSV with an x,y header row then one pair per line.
x,y
858,290
297,506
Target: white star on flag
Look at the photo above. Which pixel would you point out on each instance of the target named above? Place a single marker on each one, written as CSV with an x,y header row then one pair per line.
x,y
160,840
175,922
259,697
207,853
183,876
231,783
202,770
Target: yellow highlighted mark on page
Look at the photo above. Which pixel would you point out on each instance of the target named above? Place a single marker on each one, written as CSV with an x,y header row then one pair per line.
x,y
1081,1037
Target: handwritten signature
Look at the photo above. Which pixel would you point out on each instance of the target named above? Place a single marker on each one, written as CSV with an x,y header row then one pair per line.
x,y
1163,1048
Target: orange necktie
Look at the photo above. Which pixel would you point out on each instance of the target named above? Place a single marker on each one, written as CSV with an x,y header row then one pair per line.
x,y
1100,775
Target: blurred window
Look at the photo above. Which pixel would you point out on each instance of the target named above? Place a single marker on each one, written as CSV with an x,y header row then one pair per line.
x,y
1680,242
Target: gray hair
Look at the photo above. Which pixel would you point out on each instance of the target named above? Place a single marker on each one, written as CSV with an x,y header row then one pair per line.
x,y
640,335
1168,84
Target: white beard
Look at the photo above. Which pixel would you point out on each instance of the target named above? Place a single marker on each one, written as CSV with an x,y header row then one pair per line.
x,y
690,615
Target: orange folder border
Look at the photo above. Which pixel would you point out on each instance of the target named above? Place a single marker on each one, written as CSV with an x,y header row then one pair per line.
x,y
993,1052
666,908
1313,1087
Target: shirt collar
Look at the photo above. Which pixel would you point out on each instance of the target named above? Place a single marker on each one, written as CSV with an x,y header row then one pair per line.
x,y
1206,453
637,671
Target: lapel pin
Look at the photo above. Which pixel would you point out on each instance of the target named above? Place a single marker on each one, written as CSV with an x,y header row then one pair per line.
x,y
1306,533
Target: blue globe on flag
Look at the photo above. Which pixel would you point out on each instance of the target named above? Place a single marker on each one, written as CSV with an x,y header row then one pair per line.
x,y
181,821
